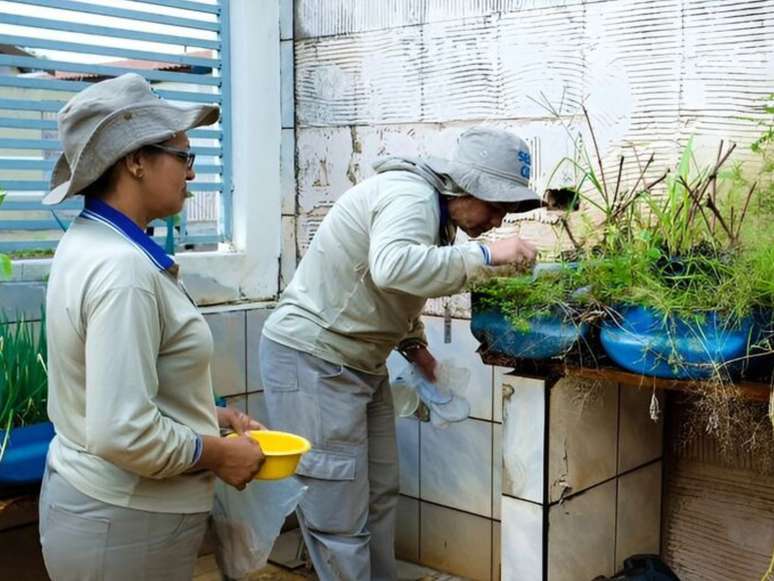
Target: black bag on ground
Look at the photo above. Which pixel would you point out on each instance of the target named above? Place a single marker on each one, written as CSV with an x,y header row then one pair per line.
x,y
643,568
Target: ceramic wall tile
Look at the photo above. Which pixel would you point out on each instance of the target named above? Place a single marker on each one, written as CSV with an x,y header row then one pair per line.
x,y
581,535
497,469
496,551
583,444
455,542
289,251
522,540
239,402
407,529
640,439
288,171
287,81
256,408
456,465
639,513
228,358
407,432
524,411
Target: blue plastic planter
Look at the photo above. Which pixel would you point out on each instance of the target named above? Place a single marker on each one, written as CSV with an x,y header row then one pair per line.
x,y
549,336
643,342
25,455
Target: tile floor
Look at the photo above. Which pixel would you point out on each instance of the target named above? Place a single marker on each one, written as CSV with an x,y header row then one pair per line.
x,y
207,570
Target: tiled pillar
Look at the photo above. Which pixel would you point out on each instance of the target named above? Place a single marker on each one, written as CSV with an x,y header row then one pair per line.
x,y
581,478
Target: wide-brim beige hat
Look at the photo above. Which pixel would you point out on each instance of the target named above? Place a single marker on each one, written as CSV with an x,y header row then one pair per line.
x,y
490,164
109,120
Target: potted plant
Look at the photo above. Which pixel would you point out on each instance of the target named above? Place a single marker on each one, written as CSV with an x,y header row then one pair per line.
x,y
683,289
530,316
25,432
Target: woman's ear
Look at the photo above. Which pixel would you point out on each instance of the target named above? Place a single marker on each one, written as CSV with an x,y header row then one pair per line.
x,y
134,163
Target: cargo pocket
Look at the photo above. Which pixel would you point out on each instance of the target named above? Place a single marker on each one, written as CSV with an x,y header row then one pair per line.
x,y
325,465
74,545
336,500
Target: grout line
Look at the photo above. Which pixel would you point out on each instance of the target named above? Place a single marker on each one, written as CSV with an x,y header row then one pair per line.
x,y
446,506
608,480
527,500
419,489
244,329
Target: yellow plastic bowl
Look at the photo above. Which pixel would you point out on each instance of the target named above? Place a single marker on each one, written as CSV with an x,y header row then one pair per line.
x,y
282,451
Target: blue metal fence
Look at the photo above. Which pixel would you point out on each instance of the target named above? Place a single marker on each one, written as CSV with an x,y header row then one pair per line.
x,y
48,52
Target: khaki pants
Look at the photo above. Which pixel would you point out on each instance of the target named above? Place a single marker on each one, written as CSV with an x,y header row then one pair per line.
x,y
348,513
84,539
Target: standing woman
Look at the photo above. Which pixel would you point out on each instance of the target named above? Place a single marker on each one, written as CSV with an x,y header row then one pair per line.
x,y
130,474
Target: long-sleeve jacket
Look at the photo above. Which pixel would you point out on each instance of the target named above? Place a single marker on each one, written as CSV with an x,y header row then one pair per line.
x,y
361,287
129,376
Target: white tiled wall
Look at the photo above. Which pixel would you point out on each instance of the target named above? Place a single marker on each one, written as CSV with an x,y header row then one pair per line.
x,y
456,466
638,528
455,542
581,535
523,558
603,454
407,430
254,321
524,405
228,360
584,435
641,438
407,529
497,469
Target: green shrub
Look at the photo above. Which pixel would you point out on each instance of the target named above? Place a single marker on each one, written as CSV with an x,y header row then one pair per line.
x,y
23,376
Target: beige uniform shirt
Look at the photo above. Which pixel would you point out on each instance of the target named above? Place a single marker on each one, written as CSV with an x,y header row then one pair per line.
x,y
129,375
361,287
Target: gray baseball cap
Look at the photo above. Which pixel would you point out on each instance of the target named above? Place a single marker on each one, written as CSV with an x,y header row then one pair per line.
x,y
109,120
490,164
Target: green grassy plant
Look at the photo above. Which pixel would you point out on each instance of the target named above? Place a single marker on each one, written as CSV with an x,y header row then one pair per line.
x,y
525,298
5,260
23,376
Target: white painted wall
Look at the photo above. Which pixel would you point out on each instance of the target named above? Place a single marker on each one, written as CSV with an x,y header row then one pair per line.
x,y
255,100
407,76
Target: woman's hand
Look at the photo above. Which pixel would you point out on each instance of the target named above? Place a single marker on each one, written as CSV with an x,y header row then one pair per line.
x,y
239,422
236,460
513,250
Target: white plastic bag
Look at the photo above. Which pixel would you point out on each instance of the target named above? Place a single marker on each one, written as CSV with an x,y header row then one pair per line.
x,y
444,398
246,523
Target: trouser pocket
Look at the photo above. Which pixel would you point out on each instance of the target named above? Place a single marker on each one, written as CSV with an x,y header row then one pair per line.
x,y
74,545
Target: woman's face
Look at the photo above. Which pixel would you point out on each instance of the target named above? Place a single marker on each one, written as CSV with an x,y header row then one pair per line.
x,y
474,216
165,179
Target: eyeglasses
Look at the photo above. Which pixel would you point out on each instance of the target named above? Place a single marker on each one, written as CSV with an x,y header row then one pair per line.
x,y
182,154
